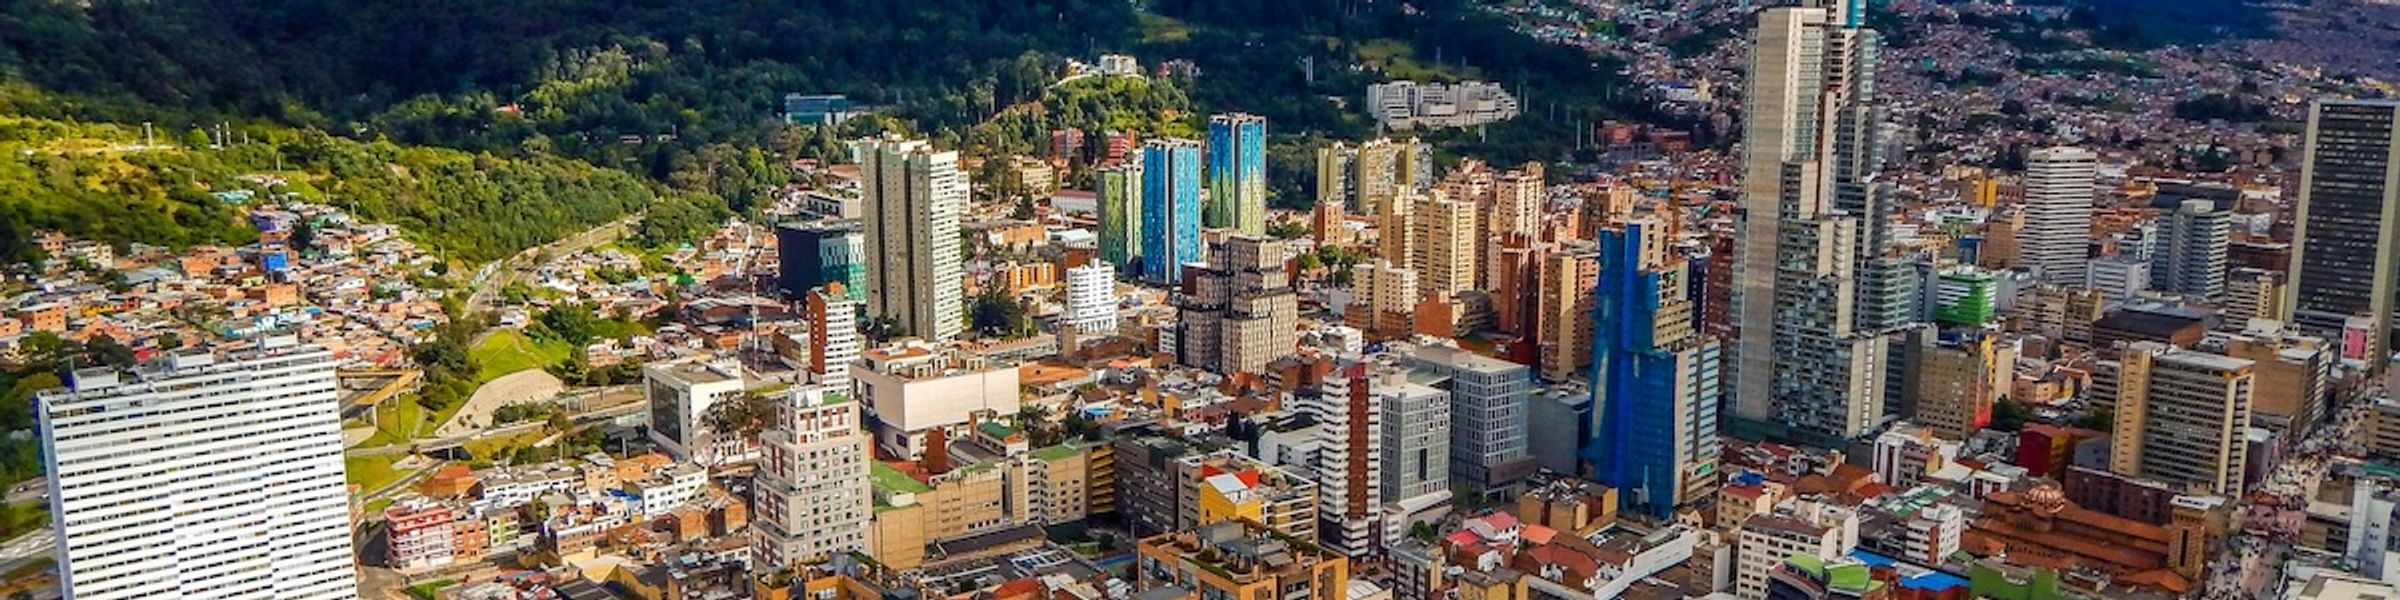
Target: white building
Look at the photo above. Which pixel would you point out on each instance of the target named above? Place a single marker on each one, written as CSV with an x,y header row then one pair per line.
x,y
194,477
1796,527
914,388
2117,278
1933,533
2059,190
915,196
669,489
812,487
681,397
1091,305
833,338
1408,104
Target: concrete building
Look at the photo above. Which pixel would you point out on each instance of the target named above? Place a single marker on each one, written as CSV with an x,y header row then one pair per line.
x,y
833,338
1416,434
1334,436
2347,224
2188,255
1225,486
1444,246
1563,342
2060,184
232,452
1797,528
1403,105
1237,173
681,398
1955,376
915,196
1091,300
2251,294
1144,469
1656,379
418,535
1236,560
2295,375
2181,415
1120,200
2116,278
913,388
1170,214
1488,404
1383,298
812,495
1241,311
1559,420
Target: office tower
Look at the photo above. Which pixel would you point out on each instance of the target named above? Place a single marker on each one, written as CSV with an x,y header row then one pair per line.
x,y
2252,294
815,254
2348,223
1237,173
2059,190
1395,227
2294,375
1444,246
1237,560
1091,304
1340,447
1965,296
1488,399
813,495
1955,376
2188,255
1120,199
833,338
196,476
1383,298
1416,433
1170,223
1999,249
2181,416
1240,312
916,196
1654,377
1820,287
680,397
2117,278
1517,200
1563,338
1336,188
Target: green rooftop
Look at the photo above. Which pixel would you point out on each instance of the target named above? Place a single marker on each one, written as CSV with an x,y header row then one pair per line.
x,y
892,480
1058,452
996,429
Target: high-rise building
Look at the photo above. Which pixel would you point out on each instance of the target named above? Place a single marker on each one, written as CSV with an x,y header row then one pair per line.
x,y
1766,541
1654,377
1336,439
1444,246
2059,190
1488,404
916,196
1091,303
1240,312
2348,223
2294,372
2117,278
1120,199
815,254
2182,416
1563,341
813,496
1336,188
1382,298
833,338
197,476
1955,376
1821,289
1170,196
1416,433
2252,294
681,397
2188,255
1237,173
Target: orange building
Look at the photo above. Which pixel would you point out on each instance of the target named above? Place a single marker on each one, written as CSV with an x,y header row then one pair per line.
x,y
2041,528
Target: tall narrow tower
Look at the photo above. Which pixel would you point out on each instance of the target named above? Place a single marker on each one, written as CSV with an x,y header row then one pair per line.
x,y
1237,173
2342,260
914,197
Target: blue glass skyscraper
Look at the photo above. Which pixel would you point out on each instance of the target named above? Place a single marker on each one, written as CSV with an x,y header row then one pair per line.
x,y
1170,209
1654,379
1237,173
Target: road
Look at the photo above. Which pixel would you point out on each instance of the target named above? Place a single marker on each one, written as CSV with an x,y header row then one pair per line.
x,y
440,443
492,278
2251,564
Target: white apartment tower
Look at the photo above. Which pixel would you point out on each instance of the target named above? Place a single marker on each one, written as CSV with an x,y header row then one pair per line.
x,y
201,477
2188,254
833,338
914,197
2058,213
1091,300
813,491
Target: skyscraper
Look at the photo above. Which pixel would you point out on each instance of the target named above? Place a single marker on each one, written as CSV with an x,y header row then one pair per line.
x,y
2058,213
1170,223
1241,312
1091,300
1488,399
815,254
2188,255
813,493
833,340
1120,199
197,476
1654,378
2348,222
1819,291
915,196
1237,173
1416,435
1444,245
2182,417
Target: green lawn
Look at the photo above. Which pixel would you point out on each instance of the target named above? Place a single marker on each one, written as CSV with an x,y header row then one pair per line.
x,y
430,590
892,479
508,351
495,448
27,517
397,421
371,473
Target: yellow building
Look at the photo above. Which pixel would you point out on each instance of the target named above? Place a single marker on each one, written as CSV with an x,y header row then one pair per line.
x,y
1225,485
1239,559
1956,377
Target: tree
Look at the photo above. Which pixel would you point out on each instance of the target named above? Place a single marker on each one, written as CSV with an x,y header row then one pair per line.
x,y
744,415
2099,418
997,314
2010,415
